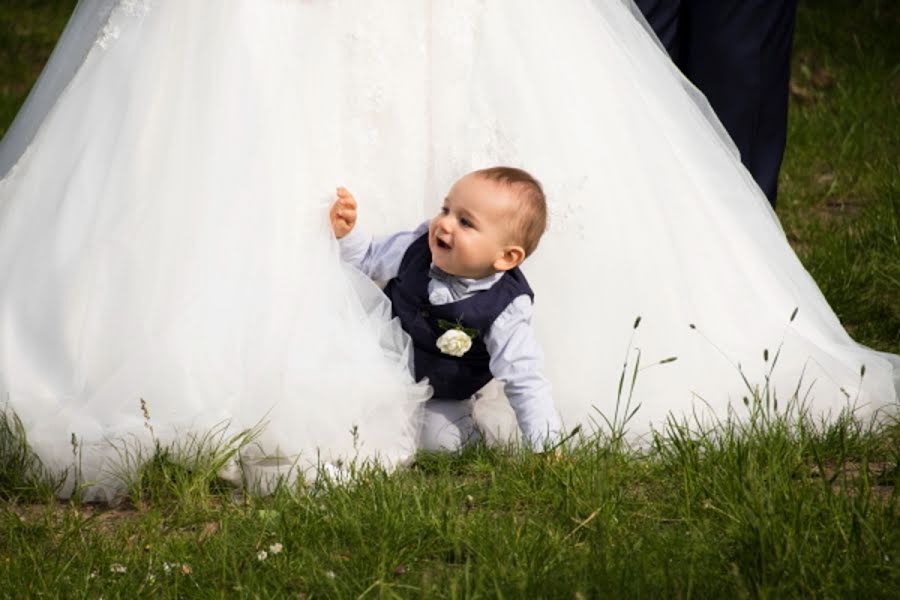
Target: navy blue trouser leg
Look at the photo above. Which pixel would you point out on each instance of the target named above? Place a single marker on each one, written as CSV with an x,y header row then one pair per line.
x,y
737,52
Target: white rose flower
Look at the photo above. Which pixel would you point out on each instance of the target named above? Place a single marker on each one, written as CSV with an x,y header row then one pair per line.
x,y
454,342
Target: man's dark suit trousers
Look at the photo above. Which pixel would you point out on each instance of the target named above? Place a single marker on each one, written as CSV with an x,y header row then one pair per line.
x,y
737,52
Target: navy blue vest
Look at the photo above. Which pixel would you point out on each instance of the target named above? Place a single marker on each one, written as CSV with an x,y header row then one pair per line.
x,y
452,377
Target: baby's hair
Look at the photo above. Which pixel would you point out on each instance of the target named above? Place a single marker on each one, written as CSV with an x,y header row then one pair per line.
x,y
530,218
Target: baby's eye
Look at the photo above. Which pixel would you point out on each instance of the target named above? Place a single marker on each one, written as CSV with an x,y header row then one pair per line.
x,y
445,210
465,222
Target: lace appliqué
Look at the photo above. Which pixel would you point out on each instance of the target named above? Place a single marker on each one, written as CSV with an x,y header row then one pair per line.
x,y
455,27
363,41
565,206
108,35
135,8
126,9
382,109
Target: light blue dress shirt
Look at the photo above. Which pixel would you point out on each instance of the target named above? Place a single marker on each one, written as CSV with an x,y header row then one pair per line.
x,y
516,357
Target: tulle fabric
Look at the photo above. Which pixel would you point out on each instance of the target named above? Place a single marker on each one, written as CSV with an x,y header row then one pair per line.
x,y
164,238
80,34
163,232
652,216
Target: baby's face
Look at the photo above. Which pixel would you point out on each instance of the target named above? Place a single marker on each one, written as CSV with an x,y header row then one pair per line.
x,y
471,233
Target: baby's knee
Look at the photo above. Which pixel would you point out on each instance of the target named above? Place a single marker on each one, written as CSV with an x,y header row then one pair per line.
x,y
447,425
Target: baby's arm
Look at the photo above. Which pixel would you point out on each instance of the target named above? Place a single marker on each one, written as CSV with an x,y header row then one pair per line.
x,y
377,258
517,361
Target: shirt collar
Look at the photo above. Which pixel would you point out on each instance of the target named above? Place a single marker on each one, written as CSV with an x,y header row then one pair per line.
x,y
464,284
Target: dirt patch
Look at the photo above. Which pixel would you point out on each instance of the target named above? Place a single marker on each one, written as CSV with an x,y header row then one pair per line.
x,y
882,478
838,207
107,516
810,78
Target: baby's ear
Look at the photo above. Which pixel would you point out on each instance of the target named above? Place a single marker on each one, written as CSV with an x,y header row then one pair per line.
x,y
511,257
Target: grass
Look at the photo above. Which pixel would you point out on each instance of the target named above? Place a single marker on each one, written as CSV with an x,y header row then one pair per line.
x,y
28,32
840,184
768,505
771,504
21,471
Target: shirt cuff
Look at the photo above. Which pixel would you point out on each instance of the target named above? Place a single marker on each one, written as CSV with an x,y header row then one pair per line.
x,y
354,246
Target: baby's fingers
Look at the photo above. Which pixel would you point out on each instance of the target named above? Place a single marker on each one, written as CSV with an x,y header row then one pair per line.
x,y
344,196
348,217
342,207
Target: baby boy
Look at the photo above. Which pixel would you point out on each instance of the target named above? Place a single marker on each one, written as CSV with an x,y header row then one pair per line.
x,y
455,285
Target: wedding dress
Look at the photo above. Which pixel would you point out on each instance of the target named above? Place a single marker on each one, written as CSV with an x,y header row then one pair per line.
x,y
163,228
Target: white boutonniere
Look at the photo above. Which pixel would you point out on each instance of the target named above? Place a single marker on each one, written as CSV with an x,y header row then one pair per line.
x,y
457,340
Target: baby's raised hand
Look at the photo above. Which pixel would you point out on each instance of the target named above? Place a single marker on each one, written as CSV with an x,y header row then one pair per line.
x,y
343,213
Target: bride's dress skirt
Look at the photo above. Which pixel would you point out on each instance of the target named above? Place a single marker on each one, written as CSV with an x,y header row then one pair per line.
x,y
163,229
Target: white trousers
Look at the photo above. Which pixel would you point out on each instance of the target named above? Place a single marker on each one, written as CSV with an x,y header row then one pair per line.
x,y
448,425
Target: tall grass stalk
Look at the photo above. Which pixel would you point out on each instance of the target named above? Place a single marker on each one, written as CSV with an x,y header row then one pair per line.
x,y
22,474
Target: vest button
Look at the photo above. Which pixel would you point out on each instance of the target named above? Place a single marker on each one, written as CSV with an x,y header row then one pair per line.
x,y
423,312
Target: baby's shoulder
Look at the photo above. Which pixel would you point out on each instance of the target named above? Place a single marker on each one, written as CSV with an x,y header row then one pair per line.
x,y
517,313
515,284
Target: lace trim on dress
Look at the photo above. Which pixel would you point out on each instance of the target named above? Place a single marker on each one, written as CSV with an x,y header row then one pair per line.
x,y
133,9
566,205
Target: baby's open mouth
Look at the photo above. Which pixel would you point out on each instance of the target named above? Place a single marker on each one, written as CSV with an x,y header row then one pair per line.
x,y
441,244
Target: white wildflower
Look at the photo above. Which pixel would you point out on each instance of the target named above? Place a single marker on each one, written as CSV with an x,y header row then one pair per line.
x,y
262,555
276,548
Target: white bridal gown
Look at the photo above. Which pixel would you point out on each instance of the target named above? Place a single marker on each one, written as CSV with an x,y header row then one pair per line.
x,y
163,228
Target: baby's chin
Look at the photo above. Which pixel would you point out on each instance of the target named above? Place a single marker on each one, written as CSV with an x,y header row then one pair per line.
x,y
439,260
449,269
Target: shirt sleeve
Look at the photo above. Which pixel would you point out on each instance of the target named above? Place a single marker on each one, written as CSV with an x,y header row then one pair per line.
x,y
517,361
379,258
